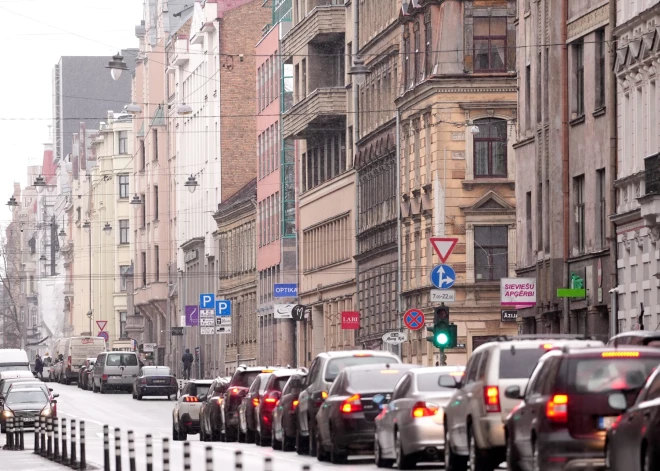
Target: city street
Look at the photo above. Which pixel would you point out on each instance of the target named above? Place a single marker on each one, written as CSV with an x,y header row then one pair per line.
x,y
155,416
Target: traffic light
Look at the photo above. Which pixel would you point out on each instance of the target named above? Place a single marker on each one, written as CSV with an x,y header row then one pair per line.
x,y
444,333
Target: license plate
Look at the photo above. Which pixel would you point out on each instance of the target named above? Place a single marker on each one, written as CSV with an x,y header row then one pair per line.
x,y
604,423
159,381
28,419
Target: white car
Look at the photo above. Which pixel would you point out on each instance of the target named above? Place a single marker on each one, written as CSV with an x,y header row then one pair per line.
x,y
185,416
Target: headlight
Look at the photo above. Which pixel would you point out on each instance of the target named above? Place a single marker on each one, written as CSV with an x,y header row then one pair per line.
x,y
46,412
7,413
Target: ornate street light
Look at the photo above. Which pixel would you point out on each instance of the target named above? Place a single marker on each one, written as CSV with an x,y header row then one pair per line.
x,y
87,226
116,66
359,71
191,184
136,200
107,229
62,236
133,109
184,110
39,184
12,204
42,258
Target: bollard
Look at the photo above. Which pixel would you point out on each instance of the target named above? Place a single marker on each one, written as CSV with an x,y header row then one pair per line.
x,y
49,429
306,467
42,421
186,456
166,454
65,451
10,433
131,450
21,430
117,449
268,463
37,429
238,465
209,458
106,448
150,453
72,455
83,455
56,444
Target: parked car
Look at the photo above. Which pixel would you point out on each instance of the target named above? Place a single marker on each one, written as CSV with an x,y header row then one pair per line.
x,y
84,372
76,352
247,410
285,424
48,367
322,372
29,404
475,414
185,416
115,370
631,442
57,370
409,427
564,413
636,338
155,381
210,415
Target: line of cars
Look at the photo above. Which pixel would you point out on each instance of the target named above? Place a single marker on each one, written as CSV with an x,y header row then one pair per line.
x,y
24,396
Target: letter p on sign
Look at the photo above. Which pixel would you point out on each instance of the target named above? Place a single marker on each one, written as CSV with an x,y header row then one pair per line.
x,y
206,301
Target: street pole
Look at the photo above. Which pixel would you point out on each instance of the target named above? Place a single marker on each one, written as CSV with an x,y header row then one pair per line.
x,y
91,313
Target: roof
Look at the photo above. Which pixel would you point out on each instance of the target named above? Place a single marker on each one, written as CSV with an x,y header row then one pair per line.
x,y
372,367
290,371
246,193
159,117
351,353
622,351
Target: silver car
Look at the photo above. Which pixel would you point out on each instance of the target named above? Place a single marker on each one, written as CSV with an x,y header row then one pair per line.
x,y
410,426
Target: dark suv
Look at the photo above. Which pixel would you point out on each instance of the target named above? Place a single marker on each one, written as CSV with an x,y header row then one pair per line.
x,y
238,387
564,414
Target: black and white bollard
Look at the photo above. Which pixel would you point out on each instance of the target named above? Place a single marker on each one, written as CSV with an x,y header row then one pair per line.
x,y
65,450
9,425
209,458
106,448
186,456
21,430
268,463
131,450
74,458
49,429
83,454
42,421
150,452
306,467
56,443
37,430
166,454
238,464
117,449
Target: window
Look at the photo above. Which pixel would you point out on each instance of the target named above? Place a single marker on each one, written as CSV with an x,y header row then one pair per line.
x,y
601,210
490,252
539,88
406,58
155,144
123,186
144,268
489,44
578,67
155,202
143,155
123,142
600,69
156,263
122,324
528,96
123,270
144,210
303,79
418,73
123,231
578,188
428,47
490,148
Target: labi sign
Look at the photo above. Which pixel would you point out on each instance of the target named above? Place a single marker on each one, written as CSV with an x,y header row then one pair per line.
x,y
518,293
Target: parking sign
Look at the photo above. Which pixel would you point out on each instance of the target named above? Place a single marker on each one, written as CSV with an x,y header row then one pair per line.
x,y
223,307
206,301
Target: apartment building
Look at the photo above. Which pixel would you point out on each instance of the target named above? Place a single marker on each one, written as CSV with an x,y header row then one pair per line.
x,y
565,163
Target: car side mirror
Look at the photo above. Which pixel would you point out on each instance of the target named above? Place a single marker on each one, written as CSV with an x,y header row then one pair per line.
x,y
50,389
55,395
202,397
53,401
449,382
513,392
617,401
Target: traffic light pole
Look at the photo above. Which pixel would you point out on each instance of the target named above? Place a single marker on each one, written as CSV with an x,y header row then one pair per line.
x,y
443,358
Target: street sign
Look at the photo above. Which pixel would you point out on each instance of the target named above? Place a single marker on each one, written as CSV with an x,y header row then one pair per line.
x,y
192,316
285,290
443,246
149,347
350,320
207,301
104,336
101,325
177,330
206,322
223,329
223,321
283,311
394,338
223,307
298,312
571,293
207,313
443,276
443,295
207,330
509,315
413,319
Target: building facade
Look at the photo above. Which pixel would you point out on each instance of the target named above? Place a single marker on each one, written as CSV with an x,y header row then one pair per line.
x,y
567,150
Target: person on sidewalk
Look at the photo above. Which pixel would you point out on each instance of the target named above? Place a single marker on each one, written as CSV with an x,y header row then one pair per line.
x,y
39,367
187,360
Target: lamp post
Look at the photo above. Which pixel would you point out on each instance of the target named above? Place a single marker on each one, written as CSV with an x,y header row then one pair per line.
x,y
88,228
116,66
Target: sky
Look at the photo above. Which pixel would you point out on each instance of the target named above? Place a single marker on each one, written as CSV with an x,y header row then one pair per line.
x,y
35,33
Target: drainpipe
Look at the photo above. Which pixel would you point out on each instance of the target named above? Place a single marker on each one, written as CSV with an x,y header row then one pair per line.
x,y
612,107
565,157
398,224
355,48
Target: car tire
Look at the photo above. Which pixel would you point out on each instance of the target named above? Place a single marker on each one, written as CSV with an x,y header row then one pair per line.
x,y
453,462
402,461
648,463
183,434
94,388
321,454
138,396
250,436
477,459
312,442
302,444
274,442
101,388
337,455
378,455
175,433
511,455
288,444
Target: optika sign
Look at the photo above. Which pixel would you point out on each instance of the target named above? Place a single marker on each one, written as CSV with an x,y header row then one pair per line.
x,y
350,320
518,292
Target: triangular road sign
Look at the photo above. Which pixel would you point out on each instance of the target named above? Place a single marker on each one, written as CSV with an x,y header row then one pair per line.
x,y
101,325
443,246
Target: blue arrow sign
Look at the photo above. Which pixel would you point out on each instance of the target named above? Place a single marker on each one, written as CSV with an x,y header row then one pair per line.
x,y
443,276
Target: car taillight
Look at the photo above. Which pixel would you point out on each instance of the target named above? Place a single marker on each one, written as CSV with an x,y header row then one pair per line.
x,y
235,391
352,404
492,398
143,381
69,361
294,404
53,407
270,400
104,377
424,409
324,394
190,399
255,402
620,354
556,410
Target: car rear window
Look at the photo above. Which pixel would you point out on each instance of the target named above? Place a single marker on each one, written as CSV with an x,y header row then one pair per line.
x,y
377,380
601,375
519,363
161,371
245,378
200,389
280,382
429,382
121,359
337,364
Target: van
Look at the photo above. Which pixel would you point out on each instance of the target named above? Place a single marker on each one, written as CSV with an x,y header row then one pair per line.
x,y
115,370
76,351
14,359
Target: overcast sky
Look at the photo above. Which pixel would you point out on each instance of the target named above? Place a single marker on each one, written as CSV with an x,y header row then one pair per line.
x,y
35,33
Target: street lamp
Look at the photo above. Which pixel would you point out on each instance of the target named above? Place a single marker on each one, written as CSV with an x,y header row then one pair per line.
x,y
62,236
136,200
39,184
191,184
87,226
133,108
107,229
184,110
474,129
116,66
42,258
12,204
89,316
359,71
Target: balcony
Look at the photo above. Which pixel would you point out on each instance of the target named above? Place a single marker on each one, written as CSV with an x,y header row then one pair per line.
x,y
321,110
325,23
152,293
650,202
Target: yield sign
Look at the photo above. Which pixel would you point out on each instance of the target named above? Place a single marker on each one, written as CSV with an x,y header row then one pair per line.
x,y
443,246
101,325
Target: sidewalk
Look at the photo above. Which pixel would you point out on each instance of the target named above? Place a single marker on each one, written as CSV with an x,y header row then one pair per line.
x,y
27,461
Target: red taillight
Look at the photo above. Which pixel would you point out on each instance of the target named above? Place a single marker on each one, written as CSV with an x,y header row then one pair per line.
x,y
235,391
352,404
104,377
270,400
556,410
294,404
492,398
143,381
424,409
255,402
190,399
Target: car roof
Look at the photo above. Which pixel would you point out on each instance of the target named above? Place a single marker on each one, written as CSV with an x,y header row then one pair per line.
x,y
25,389
374,366
638,333
154,367
91,359
351,353
288,372
524,342
202,382
597,352
436,369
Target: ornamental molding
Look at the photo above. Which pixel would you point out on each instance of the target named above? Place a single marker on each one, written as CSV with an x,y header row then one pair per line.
x,y
590,21
654,234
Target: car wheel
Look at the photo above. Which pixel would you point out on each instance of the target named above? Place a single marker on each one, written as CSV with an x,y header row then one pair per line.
x,y
138,396
478,460
321,454
647,457
453,462
288,444
312,439
240,437
175,433
378,455
94,388
402,461
101,388
249,436
337,455
511,456
183,433
134,395
274,442
302,444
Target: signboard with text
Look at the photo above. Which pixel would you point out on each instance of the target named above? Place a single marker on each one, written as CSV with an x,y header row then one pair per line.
x,y
518,292
350,320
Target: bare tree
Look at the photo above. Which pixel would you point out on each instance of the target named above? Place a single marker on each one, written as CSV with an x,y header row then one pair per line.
x,y
11,273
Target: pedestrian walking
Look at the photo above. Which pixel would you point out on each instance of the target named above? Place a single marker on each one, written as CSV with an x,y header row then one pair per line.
x,y
187,360
39,367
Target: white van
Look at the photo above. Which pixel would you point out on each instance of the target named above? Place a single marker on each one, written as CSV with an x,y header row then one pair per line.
x,y
76,351
14,359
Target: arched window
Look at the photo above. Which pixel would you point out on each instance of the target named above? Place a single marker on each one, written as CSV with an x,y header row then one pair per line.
x,y
490,148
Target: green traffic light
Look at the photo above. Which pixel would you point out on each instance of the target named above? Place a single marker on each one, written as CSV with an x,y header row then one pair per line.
x,y
442,338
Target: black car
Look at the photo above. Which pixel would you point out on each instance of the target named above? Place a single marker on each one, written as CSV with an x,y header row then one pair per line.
x,y
631,443
28,403
238,387
247,411
565,411
345,421
210,416
285,424
155,381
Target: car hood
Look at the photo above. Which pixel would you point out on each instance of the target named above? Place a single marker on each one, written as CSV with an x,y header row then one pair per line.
x,y
26,406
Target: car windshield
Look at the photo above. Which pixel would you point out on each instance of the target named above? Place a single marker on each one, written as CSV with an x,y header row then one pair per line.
x,y
25,397
430,382
160,371
599,375
519,363
377,380
245,378
121,359
337,364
